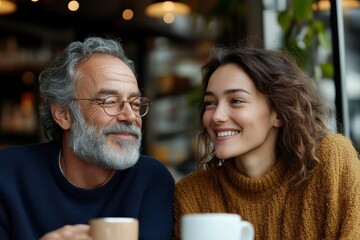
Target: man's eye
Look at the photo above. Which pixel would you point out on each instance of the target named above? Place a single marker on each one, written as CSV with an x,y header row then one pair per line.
x,y
136,104
110,100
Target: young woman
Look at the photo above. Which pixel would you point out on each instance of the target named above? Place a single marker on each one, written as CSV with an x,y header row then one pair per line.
x,y
265,152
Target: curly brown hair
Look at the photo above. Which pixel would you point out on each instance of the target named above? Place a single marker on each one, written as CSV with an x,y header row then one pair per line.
x,y
290,93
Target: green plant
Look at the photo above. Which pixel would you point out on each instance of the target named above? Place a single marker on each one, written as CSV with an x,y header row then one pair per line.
x,y
305,37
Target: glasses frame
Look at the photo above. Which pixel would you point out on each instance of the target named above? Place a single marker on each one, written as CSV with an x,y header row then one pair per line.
x,y
120,104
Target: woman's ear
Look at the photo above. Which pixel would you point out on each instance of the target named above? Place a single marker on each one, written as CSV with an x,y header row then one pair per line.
x,y
278,122
61,115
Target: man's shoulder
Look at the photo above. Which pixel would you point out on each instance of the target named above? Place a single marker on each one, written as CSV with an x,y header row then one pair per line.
x,y
20,149
151,165
24,162
148,161
26,152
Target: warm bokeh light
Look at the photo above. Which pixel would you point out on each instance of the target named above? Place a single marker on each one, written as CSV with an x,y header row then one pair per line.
x,y
160,9
73,5
28,77
7,7
34,0
324,5
169,18
168,6
127,14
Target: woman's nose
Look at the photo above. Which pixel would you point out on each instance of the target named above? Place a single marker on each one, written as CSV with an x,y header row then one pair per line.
x,y
220,114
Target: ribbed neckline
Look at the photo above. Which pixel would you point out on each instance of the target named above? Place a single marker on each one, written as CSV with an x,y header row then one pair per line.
x,y
271,180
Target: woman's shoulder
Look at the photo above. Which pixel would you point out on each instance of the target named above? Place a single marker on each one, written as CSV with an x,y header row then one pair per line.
x,y
337,148
334,138
336,142
200,178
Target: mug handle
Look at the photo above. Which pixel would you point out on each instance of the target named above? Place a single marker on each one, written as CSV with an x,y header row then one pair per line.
x,y
247,231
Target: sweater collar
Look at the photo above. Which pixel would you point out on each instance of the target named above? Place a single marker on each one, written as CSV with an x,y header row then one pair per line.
x,y
271,180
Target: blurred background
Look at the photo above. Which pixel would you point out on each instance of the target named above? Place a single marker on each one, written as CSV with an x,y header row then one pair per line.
x,y
169,41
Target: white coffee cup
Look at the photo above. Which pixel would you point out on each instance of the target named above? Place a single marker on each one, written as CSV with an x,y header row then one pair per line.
x,y
215,226
114,228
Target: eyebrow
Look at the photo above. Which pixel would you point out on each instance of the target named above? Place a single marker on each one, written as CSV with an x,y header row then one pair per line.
x,y
227,92
104,91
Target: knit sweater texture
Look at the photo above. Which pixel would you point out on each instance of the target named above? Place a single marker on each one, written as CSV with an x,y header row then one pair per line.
x,y
327,206
35,197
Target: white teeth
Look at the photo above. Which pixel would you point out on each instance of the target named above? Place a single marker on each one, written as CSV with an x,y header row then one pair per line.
x,y
227,133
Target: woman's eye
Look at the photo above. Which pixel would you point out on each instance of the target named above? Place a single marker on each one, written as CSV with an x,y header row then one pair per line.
x,y
209,104
237,101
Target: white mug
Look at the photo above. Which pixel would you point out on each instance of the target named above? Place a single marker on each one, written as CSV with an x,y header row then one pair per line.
x,y
114,228
215,226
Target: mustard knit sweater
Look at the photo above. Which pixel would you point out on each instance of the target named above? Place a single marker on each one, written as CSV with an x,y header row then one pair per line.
x,y
326,207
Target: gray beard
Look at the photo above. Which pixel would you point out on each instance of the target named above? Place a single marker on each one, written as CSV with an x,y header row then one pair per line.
x,y
91,146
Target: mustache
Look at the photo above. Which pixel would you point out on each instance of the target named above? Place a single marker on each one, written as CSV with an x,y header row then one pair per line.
x,y
120,127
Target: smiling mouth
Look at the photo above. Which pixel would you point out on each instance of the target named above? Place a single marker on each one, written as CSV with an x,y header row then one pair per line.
x,y
227,133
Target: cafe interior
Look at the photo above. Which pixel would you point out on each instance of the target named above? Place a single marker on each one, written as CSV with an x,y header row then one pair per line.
x,y
169,41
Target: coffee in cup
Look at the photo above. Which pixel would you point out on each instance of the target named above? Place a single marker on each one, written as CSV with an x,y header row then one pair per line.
x,y
112,228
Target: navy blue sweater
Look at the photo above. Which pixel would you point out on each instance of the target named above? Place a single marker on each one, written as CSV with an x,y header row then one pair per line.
x,y
35,198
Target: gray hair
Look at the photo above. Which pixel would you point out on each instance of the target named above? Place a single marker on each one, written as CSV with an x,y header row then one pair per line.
x,y
58,80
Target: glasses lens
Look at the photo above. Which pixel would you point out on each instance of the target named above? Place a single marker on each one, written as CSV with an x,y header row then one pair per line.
x,y
140,106
113,106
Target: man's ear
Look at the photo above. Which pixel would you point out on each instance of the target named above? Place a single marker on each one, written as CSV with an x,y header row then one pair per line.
x,y
61,115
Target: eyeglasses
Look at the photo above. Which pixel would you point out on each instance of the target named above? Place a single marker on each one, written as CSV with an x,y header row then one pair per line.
x,y
113,105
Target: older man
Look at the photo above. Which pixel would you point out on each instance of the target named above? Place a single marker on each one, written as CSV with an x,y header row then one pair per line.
x,y
91,167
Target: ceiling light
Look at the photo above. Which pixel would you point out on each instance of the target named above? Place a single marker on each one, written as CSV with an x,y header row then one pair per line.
x,y
7,7
325,5
169,18
73,5
159,9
